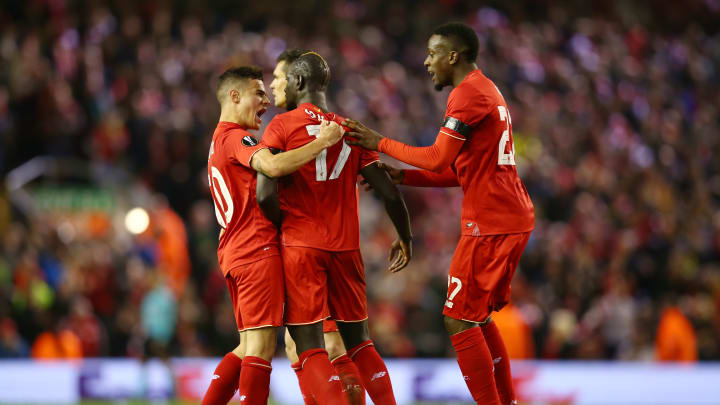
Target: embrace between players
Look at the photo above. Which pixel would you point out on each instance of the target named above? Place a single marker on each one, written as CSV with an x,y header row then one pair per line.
x,y
301,180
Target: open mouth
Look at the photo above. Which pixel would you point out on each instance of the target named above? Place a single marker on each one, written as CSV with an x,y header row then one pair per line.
x,y
260,112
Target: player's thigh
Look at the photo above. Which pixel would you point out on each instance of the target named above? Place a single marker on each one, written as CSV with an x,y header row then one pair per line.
x,y
477,272
257,293
347,297
306,287
511,248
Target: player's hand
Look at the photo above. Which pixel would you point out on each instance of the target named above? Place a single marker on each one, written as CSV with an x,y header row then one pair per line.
x,y
365,137
330,133
396,175
404,254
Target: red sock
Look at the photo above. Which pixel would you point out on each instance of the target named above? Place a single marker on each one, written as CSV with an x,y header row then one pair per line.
x,y
476,365
224,381
304,389
321,377
503,377
254,387
374,374
350,377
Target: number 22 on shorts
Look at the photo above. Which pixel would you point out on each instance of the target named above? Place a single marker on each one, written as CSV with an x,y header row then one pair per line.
x,y
321,159
451,295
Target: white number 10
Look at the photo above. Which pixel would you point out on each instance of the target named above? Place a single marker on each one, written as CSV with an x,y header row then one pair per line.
x,y
321,159
505,158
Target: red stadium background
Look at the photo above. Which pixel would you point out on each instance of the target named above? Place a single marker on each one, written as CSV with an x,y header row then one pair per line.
x,y
107,231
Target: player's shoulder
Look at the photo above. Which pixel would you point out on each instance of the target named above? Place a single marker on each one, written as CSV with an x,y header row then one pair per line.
x,y
234,136
476,88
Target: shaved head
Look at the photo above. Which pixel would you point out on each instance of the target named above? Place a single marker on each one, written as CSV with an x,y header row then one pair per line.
x,y
313,69
236,78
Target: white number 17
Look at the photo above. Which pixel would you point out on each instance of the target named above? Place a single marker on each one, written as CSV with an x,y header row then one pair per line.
x,y
321,159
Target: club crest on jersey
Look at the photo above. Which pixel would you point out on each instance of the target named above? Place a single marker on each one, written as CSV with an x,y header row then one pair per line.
x,y
249,140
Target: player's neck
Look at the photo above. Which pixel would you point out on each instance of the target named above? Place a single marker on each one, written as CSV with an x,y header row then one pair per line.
x,y
316,98
462,71
230,116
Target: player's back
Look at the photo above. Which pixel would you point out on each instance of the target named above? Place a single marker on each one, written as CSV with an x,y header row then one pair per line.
x,y
496,201
320,199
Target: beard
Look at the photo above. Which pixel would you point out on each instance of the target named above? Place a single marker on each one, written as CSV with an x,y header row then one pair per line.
x,y
439,87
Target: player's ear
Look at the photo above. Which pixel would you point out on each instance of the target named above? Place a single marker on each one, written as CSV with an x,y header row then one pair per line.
x,y
453,57
300,82
234,95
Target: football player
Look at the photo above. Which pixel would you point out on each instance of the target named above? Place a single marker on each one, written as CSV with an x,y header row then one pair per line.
x,y
474,150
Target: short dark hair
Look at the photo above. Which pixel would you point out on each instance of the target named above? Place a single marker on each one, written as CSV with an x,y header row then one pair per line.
x,y
465,37
313,68
290,55
235,74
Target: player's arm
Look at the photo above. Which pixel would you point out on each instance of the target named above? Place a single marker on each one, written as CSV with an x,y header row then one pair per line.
x,y
396,210
268,200
436,157
421,178
263,161
266,194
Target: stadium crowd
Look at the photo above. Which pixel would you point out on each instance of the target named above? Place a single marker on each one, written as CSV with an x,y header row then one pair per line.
x,y
616,125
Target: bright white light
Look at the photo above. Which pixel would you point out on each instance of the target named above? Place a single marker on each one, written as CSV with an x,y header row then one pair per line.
x,y
137,220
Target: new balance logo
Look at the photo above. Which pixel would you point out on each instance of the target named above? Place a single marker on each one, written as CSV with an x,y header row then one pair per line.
x,y
214,377
334,378
476,231
243,397
377,375
496,361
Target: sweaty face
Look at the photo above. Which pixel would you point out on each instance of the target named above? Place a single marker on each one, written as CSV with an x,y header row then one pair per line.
x,y
291,92
279,83
252,104
438,61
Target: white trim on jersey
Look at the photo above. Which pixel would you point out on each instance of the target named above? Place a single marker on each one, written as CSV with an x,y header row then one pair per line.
x,y
452,136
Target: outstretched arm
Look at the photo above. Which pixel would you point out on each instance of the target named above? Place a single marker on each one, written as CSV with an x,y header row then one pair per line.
x,y
420,178
436,158
263,161
396,210
424,178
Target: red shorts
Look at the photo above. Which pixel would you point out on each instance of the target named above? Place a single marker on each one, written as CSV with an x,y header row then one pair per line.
x,y
257,293
320,284
329,326
480,275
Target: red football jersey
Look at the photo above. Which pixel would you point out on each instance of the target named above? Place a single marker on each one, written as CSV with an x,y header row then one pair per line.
x,y
248,236
495,201
320,199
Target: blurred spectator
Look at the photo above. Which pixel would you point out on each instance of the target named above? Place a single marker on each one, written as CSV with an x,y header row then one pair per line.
x,y
515,332
675,339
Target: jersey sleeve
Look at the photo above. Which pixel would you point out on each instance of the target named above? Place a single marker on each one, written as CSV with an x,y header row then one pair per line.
x,y
274,136
368,157
466,107
241,148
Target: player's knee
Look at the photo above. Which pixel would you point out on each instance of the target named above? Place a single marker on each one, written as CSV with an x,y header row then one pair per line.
x,y
354,333
261,343
290,349
334,345
307,337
